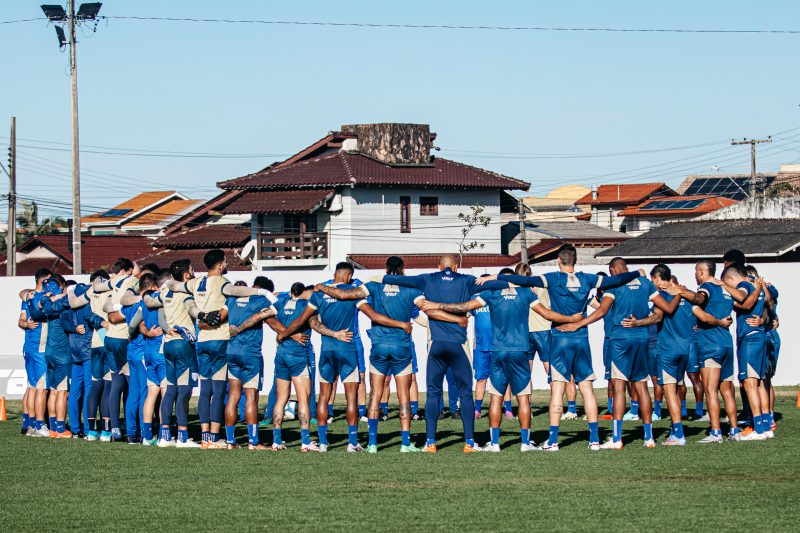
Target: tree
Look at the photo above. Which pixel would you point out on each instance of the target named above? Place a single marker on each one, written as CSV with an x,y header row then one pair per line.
x,y
28,224
475,218
783,189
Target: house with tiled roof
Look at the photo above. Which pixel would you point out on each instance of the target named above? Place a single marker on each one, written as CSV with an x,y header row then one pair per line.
x,y
607,201
653,212
364,192
147,213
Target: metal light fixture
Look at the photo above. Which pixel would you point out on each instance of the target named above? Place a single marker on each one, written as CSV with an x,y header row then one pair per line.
x,y
54,13
62,38
88,11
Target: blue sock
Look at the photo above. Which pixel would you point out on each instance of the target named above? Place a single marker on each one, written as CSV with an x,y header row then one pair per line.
x,y
734,431
276,436
305,437
683,408
716,432
677,430
616,430
469,442
552,437
414,408
25,420
213,437
204,436
495,435
322,433
648,431
635,408
770,419
478,405
61,427
759,423
405,438
165,433
372,424
429,442
594,435
610,404
51,422
657,408
352,435
507,406
183,435
571,407
384,408
699,408
147,430
230,434
38,424
330,411
525,436
252,434
362,409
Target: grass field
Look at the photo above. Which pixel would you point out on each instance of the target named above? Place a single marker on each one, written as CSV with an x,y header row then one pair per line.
x,y
69,484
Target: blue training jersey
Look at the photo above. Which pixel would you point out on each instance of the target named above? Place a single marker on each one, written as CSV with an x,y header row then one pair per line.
x,y
355,282
677,330
33,336
249,341
631,299
57,341
136,341
150,317
395,302
288,310
336,315
508,310
719,305
449,287
742,327
483,327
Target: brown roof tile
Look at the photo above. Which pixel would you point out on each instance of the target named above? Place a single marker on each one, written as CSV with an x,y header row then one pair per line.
x,y
711,204
626,193
207,236
291,201
97,251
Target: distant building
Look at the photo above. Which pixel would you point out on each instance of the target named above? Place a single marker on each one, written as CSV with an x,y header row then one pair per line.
x,y
147,213
556,206
606,203
545,238
653,212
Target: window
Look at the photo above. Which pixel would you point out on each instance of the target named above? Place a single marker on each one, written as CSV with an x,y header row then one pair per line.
x,y
405,214
293,223
428,206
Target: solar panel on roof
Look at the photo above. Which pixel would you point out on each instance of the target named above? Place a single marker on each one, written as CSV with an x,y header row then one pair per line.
x,y
664,205
114,213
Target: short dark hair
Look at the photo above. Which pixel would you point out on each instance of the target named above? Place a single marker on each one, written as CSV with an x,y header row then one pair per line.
x,y
179,268
394,265
568,255
298,288
42,273
213,258
739,268
150,267
617,260
661,271
100,273
163,276
751,270
71,282
263,282
147,281
506,270
523,269
344,265
121,264
734,256
309,287
240,283
710,265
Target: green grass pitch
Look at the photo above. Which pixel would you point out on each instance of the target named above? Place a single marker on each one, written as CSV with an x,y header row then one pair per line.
x,y
68,484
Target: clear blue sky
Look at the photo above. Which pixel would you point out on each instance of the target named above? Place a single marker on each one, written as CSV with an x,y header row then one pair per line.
x,y
490,95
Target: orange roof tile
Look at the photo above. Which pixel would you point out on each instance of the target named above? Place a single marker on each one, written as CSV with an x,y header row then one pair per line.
x,y
626,193
162,213
711,203
128,207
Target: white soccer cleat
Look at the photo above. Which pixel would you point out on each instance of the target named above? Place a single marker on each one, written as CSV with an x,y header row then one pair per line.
x,y
277,447
770,434
630,416
711,439
310,447
650,443
594,446
704,418
354,449
492,448
527,447
43,432
672,440
322,448
163,443
330,420
611,444
31,432
753,436
188,444
734,437
548,447
569,416
363,419
655,417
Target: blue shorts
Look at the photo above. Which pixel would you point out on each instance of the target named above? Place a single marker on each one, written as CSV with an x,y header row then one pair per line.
x,y
629,359
290,365
652,357
773,351
693,363
540,343
59,370
752,356
362,366
156,368
36,370
671,367
391,359
342,364
116,354
717,357
248,368
606,360
212,360
510,369
99,364
481,362
570,356
180,363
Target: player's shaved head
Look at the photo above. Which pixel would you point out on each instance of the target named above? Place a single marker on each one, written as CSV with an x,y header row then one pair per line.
x,y
708,265
344,272
617,266
448,261
568,255
734,271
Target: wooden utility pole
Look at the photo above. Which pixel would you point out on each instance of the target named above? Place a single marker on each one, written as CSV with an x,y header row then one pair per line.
x,y
76,169
11,230
523,233
753,174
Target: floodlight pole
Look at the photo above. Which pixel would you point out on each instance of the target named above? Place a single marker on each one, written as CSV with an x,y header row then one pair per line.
x,y
753,174
11,230
76,169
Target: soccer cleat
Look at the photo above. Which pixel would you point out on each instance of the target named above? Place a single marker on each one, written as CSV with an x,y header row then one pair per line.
x,y
409,449
711,439
531,447
322,448
594,446
650,443
569,416
472,449
149,442
78,436
606,417
419,416
265,423
509,415
753,436
92,436
163,443
492,448
770,434
52,434
734,437
105,436
611,444
310,447
354,449
430,448
257,447
31,432
216,445
477,415
372,448
672,440
747,430
134,440
630,416
188,444
330,420
655,417
442,415
363,419
278,447
704,418
384,417
66,434
42,432
231,446
773,426
547,447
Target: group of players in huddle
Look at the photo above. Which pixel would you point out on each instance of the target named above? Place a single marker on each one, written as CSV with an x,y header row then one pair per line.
x,y
136,336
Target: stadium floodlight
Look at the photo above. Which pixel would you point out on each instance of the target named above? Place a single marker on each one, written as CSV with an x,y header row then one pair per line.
x,y
54,13
62,39
88,11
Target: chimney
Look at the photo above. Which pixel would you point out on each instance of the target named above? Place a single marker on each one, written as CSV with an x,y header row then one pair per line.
x,y
392,143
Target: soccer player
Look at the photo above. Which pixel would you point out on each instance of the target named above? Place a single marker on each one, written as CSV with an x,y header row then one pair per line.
x,y
153,323
773,339
570,355
35,398
509,310
481,354
210,293
338,358
751,349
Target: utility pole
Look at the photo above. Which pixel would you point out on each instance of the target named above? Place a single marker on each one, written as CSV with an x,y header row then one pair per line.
x,y
76,168
523,233
753,175
11,230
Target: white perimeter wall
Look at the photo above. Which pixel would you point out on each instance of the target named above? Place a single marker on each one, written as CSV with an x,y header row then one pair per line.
x,y
12,373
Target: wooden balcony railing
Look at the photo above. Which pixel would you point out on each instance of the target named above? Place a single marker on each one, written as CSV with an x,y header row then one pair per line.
x,y
291,246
